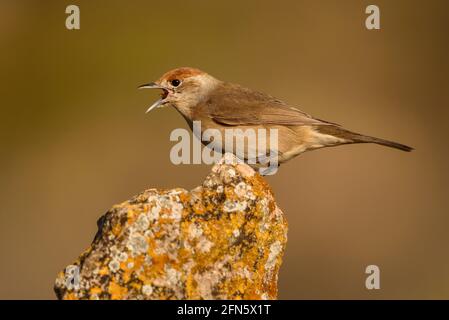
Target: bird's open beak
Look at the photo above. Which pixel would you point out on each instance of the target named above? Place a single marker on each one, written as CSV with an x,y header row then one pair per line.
x,y
164,94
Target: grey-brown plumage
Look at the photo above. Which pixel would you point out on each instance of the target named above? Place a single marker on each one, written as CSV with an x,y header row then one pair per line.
x,y
219,105
353,137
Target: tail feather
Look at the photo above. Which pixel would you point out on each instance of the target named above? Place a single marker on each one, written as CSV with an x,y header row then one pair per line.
x,y
352,137
358,138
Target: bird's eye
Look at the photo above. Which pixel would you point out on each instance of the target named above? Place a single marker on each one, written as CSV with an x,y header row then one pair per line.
x,y
175,82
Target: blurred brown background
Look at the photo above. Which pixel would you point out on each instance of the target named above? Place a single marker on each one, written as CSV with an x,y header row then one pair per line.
x,y
75,140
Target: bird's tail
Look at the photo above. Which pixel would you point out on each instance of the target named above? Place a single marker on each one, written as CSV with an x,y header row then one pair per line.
x,y
360,138
352,137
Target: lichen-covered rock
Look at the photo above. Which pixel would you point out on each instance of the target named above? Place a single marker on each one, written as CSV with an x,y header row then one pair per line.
x,y
222,240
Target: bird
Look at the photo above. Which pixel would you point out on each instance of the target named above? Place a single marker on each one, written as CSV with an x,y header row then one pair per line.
x,y
221,105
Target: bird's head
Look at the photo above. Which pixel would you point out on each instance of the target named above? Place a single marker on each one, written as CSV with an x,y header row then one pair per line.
x,y
182,88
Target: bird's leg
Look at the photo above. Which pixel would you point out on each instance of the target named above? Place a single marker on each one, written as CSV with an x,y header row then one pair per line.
x,y
270,158
269,171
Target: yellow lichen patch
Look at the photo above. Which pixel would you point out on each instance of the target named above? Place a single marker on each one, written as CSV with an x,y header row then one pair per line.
x,y
184,197
137,286
103,271
71,296
133,266
116,291
132,216
158,263
116,229
95,291
199,209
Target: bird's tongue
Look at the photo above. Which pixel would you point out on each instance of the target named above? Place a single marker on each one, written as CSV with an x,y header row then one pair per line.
x,y
164,93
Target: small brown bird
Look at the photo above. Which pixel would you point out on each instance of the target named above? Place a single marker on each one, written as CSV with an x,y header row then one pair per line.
x,y
221,105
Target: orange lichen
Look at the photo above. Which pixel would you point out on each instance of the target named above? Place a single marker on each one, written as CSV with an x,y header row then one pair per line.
x,y
71,296
95,291
116,291
103,271
116,229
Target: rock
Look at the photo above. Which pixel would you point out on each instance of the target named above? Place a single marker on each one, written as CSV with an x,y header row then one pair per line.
x,y
222,240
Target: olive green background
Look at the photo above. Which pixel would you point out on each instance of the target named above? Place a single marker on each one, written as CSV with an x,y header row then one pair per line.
x,y
75,139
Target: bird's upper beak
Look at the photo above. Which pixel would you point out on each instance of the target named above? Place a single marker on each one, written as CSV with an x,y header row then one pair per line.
x,y
151,85
164,94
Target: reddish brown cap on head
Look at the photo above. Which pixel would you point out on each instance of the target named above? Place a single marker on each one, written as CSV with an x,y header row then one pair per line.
x,y
181,74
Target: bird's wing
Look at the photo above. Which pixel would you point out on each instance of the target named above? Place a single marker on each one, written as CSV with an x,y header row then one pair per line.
x,y
234,105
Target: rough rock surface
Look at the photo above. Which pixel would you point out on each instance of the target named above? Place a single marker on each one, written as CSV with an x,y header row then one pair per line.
x,y
222,240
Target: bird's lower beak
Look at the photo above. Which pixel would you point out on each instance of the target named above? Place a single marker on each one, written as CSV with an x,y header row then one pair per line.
x,y
164,94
